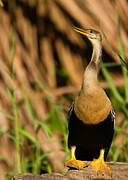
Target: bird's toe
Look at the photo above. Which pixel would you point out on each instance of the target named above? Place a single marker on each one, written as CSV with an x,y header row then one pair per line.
x,y
101,167
75,163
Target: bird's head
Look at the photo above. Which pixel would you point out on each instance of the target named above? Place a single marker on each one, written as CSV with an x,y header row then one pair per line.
x,y
92,35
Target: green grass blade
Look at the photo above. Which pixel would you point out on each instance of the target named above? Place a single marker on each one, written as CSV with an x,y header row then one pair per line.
x,y
26,134
45,88
37,162
9,116
15,107
122,54
56,123
121,59
120,130
111,64
29,108
44,155
9,135
2,159
116,154
44,126
111,84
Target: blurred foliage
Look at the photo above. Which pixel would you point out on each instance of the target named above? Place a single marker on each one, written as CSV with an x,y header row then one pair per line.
x,y
42,63
1,3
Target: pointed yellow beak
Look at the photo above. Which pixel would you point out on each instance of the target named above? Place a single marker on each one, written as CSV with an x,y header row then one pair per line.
x,y
81,31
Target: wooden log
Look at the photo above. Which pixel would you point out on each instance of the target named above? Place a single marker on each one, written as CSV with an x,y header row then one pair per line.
x,y
119,171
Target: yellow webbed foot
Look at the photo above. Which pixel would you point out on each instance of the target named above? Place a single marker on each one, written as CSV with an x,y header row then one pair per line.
x,y
100,166
73,162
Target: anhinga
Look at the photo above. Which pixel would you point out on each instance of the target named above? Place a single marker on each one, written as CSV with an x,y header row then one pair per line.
x,y
91,116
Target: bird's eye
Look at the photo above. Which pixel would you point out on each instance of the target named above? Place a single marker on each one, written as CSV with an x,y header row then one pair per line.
x,y
90,31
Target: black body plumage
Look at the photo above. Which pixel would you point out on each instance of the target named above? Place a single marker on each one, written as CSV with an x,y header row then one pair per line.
x,y
90,139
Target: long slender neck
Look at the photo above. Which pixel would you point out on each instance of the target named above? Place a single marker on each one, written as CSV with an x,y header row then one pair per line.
x,y
91,72
92,105
96,55
97,52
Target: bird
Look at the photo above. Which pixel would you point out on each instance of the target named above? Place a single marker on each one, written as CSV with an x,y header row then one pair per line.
x,y
91,116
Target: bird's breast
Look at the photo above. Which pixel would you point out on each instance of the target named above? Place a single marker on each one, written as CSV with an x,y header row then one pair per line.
x,y
92,108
